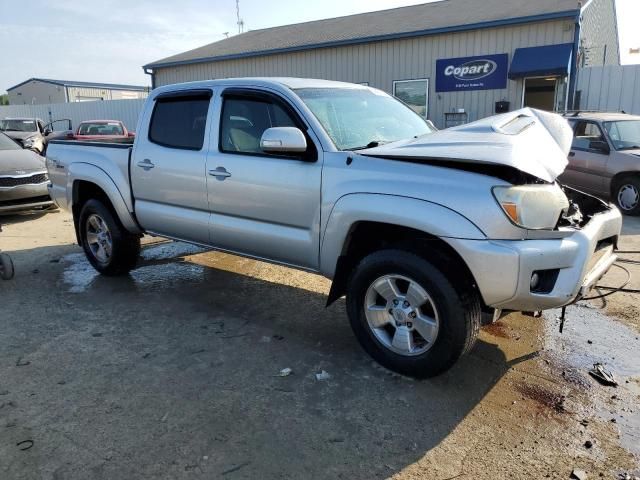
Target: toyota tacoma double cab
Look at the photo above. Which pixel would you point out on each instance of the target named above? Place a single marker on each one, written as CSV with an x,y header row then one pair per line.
x,y
422,230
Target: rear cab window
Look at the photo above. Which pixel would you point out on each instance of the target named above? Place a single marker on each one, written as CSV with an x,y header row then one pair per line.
x,y
179,119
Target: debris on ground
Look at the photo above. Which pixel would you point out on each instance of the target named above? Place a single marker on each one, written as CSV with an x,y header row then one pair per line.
x,y
588,444
323,376
265,339
25,444
578,474
285,372
603,376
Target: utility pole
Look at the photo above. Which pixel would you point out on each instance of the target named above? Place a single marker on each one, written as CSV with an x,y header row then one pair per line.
x,y
239,21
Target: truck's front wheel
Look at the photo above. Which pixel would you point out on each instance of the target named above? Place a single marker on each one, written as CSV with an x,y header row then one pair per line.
x,y
110,248
408,316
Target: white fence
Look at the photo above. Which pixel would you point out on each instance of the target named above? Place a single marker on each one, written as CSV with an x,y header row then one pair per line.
x,y
125,110
610,88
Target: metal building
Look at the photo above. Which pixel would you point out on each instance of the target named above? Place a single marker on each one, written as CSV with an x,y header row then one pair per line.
x,y
453,60
37,91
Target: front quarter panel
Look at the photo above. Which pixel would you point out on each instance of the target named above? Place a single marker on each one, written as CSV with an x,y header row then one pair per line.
x,y
395,210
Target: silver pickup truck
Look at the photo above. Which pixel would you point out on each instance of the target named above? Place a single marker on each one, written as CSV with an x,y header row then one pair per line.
x,y
422,230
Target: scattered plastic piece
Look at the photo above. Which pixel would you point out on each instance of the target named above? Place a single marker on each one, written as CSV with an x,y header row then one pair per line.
x,y
603,376
579,474
25,444
323,376
285,372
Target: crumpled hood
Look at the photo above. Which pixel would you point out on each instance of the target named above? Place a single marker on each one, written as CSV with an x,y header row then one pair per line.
x,y
532,141
20,162
21,136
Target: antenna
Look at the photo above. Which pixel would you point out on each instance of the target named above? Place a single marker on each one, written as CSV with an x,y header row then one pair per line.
x,y
239,21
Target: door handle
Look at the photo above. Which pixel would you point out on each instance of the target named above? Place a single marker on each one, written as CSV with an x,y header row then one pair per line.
x,y
572,154
220,173
146,164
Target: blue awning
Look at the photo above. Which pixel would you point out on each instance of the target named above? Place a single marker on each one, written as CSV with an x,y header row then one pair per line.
x,y
546,61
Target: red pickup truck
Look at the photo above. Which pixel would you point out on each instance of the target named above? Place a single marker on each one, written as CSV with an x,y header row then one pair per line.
x,y
102,130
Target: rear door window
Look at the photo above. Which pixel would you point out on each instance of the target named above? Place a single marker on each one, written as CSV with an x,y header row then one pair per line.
x,y
179,121
585,133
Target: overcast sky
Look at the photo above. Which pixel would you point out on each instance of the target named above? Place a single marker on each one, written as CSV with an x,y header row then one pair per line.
x,y
110,41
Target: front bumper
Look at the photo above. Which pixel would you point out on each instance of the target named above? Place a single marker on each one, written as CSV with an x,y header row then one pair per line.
x,y
502,269
24,197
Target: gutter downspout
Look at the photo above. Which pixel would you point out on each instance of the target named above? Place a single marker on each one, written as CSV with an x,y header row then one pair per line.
x,y
574,60
149,71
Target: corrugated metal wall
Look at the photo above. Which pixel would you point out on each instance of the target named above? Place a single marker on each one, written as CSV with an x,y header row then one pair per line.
x,y
125,110
611,88
381,63
599,37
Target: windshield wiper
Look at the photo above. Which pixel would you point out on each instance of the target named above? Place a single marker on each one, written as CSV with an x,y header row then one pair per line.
x,y
372,144
632,147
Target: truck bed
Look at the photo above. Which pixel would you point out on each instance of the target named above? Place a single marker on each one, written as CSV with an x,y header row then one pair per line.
x,y
112,157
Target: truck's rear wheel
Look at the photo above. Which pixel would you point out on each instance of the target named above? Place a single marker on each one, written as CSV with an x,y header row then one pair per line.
x,y
626,193
408,316
110,248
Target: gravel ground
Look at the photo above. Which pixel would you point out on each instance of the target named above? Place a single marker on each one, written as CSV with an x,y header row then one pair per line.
x,y
172,373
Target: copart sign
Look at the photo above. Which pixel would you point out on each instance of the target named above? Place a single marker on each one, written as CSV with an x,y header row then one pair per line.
x,y
488,72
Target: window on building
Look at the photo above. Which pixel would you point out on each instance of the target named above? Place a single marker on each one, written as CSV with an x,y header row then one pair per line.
x,y
244,120
414,93
179,122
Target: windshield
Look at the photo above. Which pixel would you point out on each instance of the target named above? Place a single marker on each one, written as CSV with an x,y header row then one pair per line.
x,y
100,128
18,125
7,144
362,118
625,134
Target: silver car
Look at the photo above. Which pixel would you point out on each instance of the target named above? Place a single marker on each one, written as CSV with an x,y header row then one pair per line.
x,y
605,158
23,178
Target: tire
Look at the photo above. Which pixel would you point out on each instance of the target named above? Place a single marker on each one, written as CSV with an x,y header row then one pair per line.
x,y
626,195
6,267
109,247
431,334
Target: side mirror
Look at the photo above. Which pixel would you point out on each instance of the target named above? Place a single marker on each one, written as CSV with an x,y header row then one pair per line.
x,y
47,132
600,146
283,140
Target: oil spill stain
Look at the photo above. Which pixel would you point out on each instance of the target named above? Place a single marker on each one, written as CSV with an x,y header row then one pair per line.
x,y
543,397
497,329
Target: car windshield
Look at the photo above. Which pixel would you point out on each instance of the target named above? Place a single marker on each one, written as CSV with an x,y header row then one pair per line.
x,y
362,118
7,144
624,134
100,128
15,125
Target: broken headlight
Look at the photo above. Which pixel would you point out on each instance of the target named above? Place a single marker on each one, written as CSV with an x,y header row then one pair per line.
x,y
535,207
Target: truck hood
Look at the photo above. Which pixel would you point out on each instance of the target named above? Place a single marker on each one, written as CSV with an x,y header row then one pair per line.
x,y
20,162
532,141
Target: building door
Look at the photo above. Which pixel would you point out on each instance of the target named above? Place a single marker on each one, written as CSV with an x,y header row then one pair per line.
x,y
540,93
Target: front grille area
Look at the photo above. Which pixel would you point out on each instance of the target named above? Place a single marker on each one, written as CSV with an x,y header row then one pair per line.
x,y
25,201
17,181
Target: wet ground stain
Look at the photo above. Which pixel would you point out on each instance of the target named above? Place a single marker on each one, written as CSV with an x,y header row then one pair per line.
x,y
543,397
497,329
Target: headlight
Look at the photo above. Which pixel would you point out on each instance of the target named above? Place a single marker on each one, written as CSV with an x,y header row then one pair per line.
x,y
534,207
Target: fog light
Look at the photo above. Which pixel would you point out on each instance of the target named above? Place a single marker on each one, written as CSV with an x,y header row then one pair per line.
x,y
535,281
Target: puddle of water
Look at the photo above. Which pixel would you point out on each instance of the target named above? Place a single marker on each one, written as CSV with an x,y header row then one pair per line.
x,y
167,250
590,337
79,274
165,275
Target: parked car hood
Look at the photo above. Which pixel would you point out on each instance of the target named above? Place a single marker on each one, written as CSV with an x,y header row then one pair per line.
x,y
20,162
21,135
532,141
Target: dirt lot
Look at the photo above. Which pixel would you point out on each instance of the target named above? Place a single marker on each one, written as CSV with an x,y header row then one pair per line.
x,y
172,373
